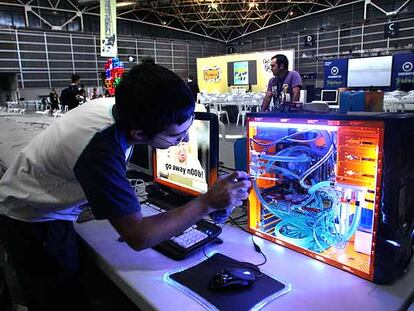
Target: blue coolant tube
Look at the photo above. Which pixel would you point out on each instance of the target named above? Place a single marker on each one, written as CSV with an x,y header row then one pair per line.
x,y
278,158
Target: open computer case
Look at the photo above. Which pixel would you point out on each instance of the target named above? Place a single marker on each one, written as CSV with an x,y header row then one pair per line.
x,y
336,187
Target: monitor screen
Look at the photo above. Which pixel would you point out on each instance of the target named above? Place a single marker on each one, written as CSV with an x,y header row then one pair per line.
x,y
191,167
141,159
370,71
242,73
329,96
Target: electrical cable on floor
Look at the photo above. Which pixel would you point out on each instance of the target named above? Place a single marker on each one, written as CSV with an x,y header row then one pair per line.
x,y
241,216
407,302
227,168
255,245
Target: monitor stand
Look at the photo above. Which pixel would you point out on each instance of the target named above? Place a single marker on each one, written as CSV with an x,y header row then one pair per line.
x,y
169,199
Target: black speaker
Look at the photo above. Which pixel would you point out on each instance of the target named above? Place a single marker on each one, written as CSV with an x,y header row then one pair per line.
x,y
231,50
391,30
309,40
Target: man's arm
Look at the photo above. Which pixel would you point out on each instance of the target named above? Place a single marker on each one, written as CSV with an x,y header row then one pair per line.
x,y
141,233
296,85
296,93
266,101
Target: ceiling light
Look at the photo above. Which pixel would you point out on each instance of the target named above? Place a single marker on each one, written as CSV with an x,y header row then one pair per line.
x,y
125,3
291,13
252,5
214,6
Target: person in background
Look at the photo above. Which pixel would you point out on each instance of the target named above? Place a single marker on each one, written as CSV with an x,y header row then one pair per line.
x,y
70,96
54,100
95,93
283,78
106,92
82,95
193,86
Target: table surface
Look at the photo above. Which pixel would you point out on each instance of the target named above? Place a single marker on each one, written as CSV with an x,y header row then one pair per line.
x,y
315,285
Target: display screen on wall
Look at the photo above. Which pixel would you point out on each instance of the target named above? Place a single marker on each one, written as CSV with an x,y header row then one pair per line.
x,y
403,72
370,71
242,73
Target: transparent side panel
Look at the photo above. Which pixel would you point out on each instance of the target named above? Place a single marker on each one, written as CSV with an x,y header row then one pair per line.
x,y
314,186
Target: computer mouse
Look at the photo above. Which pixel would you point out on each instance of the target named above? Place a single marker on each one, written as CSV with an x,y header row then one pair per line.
x,y
153,189
232,278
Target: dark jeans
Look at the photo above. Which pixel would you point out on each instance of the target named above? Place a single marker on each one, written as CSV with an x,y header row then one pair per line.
x,y
46,259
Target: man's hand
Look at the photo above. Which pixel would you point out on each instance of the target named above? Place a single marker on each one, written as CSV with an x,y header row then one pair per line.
x,y
266,101
142,233
227,192
296,94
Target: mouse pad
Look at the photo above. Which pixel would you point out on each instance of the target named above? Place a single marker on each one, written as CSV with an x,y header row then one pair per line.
x,y
196,278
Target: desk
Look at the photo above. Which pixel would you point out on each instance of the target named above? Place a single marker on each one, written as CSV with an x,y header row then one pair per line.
x,y
315,286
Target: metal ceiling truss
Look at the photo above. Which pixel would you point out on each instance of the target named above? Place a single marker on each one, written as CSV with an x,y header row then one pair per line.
x,y
379,8
221,20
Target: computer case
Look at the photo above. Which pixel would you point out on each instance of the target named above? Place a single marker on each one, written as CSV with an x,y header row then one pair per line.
x,y
370,101
374,101
352,101
338,188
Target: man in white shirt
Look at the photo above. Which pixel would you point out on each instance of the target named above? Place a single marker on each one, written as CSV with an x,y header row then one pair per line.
x,y
82,157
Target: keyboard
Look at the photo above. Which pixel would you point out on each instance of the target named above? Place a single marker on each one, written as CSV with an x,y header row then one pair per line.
x,y
188,242
148,209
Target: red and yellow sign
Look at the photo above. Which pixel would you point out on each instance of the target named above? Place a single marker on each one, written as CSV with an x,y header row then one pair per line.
x,y
212,74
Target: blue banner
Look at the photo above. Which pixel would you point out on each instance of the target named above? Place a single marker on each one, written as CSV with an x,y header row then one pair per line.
x,y
335,74
403,71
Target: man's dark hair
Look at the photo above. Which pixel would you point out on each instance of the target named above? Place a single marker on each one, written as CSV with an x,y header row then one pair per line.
x,y
191,77
147,60
281,60
150,98
75,78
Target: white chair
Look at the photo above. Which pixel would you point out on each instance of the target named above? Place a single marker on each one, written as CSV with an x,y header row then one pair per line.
x,y
43,112
11,105
397,93
63,110
217,109
303,96
244,107
222,129
200,108
241,114
393,104
409,99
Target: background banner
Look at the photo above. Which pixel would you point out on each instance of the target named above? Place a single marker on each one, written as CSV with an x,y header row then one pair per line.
x,y
217,74
403,71
335,74
108,28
